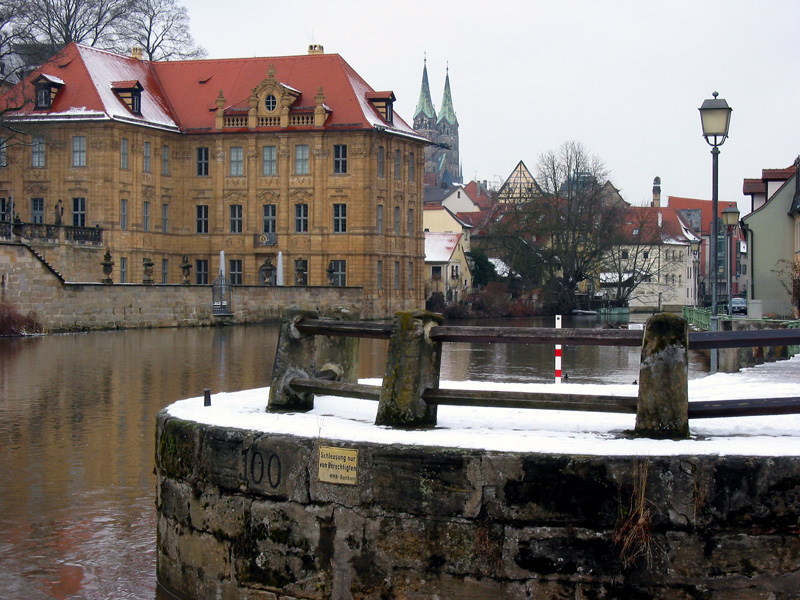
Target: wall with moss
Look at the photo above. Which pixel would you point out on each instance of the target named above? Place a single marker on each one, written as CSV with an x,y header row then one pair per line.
x,y
244,515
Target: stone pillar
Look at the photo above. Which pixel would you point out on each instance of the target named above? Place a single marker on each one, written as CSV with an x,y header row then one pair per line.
x,y
337,353
663,406
411,367
728,357
295,357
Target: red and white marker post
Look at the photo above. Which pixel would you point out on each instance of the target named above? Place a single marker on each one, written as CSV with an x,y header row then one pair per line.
x,y
558,352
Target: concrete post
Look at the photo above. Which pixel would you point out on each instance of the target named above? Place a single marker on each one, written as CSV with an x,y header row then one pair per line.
x,y
663,406
337,353
295,357
411,367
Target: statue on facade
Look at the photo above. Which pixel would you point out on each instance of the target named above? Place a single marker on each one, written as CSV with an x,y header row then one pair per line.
x,y
59,212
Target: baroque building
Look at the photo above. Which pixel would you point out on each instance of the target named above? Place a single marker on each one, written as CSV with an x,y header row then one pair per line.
x,y
291,165
442,163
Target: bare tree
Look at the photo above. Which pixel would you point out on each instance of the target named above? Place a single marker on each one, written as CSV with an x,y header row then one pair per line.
x,y
56,23
558,236
161,29
577,218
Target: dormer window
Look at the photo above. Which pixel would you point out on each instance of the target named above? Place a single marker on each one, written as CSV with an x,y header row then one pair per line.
x,y
130,92
47,87
270,102
383,103
43,97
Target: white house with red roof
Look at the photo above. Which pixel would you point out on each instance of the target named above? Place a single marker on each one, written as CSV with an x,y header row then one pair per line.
x,y
447,269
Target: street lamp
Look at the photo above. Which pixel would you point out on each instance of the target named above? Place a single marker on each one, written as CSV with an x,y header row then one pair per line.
x,y
695,247
730,218
715,116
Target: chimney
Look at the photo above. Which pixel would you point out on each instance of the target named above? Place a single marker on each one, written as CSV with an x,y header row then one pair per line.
x,y
136,52
656,192
315,49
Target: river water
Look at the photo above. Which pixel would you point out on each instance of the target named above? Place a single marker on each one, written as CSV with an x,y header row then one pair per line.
x,y
77,422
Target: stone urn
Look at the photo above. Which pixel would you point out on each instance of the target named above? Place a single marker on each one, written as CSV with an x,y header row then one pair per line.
x,y
186,268
108,267
147,271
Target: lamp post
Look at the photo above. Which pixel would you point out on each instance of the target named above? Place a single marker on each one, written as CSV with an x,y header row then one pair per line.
x,y
730,218
715,116
695,247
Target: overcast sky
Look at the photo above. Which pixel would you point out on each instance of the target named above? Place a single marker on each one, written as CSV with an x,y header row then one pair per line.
x,y
625,78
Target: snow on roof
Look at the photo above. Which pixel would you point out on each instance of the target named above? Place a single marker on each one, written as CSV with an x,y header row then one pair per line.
x,y
439,247
546,431
500,267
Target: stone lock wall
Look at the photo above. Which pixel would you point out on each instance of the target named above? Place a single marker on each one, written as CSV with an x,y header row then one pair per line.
x,y
244,515
31,287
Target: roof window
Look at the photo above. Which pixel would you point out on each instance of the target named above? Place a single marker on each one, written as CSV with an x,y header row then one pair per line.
x,y
130,92
383,103
47,87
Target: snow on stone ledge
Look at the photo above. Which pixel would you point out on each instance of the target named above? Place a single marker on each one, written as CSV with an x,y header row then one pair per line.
x,y
546,431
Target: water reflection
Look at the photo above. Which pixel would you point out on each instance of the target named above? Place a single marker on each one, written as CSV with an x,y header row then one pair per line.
x,y
77,417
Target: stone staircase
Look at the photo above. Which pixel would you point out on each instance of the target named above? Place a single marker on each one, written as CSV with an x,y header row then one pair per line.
x,y
38,255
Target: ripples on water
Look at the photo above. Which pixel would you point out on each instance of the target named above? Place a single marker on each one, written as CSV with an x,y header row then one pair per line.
x,y
77,420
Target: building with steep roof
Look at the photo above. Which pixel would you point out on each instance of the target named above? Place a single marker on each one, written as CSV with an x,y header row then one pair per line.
x,y
442,162
519,187
291,159
773,236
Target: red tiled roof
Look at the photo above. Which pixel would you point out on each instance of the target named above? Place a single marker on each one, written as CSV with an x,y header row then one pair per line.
x,y
754,186
479,195
777,174
183,94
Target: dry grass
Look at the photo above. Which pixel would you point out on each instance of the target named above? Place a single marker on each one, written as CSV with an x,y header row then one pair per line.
x,y
633,531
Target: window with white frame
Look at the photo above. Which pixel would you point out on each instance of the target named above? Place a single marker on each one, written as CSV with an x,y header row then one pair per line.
x,y
164,218
123,269
165,160
338,273
410,221
380,275
236,218
37,152
146,159
164,270
397,220
411,166
124,150
201,220
146,215
410,275
269,162
37,210
397,274
340,218
201,163
123,213
340,158
269,213
201,271
79,212
237,161
78,150
397,164
301,218
381,158
235,269
380,219
301,159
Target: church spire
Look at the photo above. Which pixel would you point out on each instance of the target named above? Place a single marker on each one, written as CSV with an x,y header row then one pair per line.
x,y
448,113
425,104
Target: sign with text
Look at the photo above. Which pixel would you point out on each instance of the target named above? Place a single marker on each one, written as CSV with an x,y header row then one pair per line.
x,y
338,465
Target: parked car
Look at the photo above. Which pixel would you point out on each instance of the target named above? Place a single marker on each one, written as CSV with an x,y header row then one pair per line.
x,y
739,306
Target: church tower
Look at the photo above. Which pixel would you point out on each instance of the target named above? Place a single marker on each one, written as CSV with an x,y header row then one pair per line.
x,y
442,163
